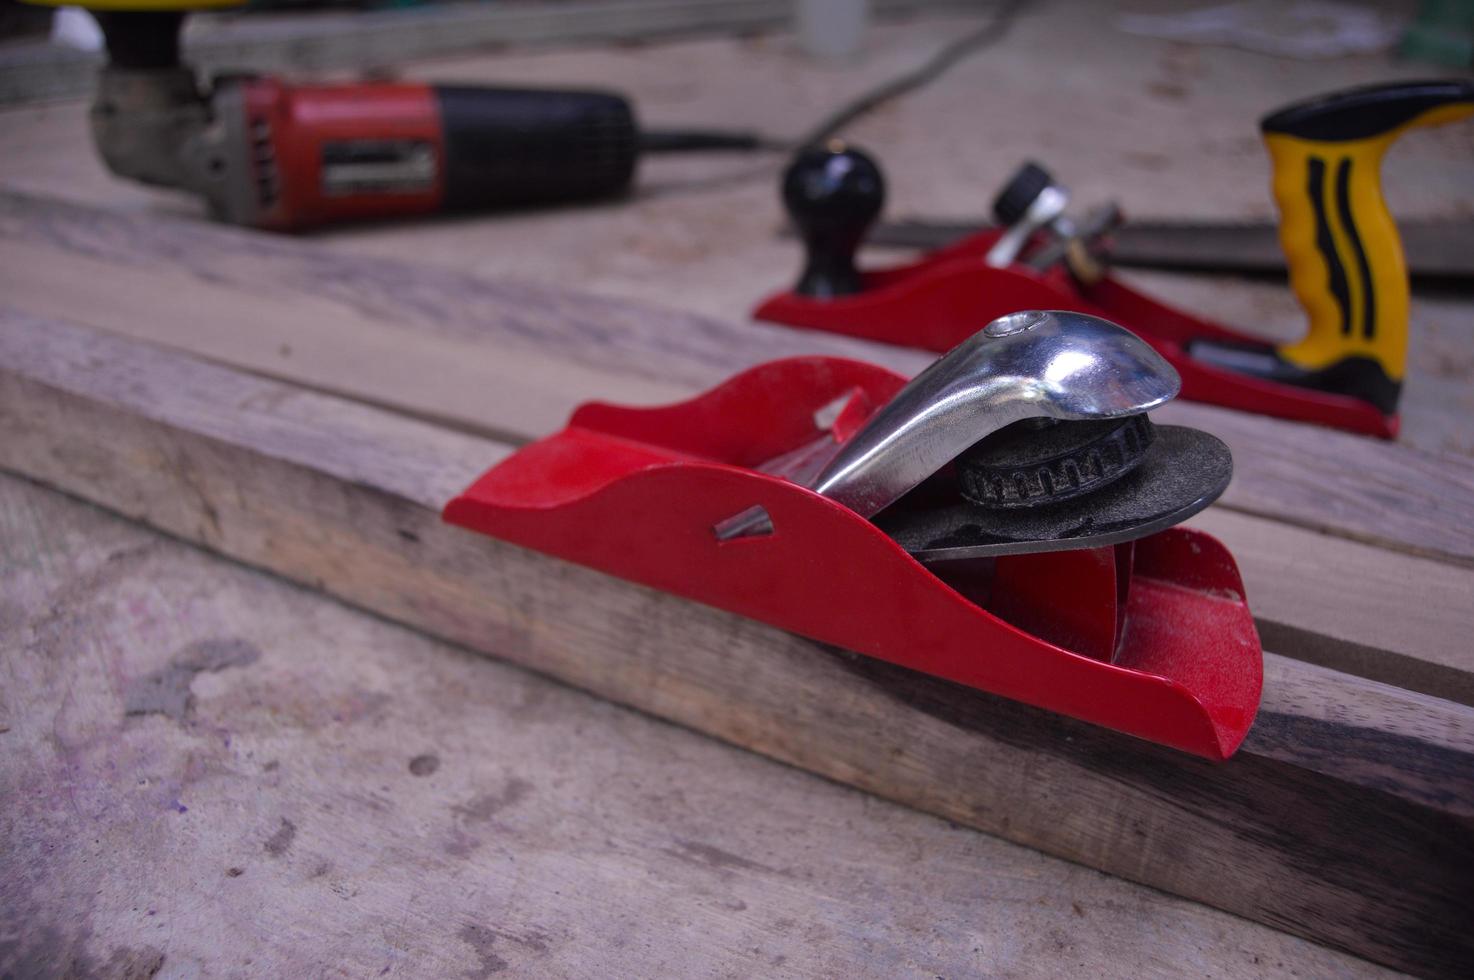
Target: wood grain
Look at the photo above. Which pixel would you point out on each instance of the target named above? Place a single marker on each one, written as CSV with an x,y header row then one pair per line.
x,y
1386,494
378,37
140,827
1353,607
511,360
1348,816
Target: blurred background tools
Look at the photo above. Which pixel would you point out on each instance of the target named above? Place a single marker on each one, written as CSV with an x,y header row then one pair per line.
x,y
1439,253
1341,246
266,153
269,154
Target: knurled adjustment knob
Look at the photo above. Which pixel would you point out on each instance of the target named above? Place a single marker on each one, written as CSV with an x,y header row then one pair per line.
x,y
1022,188
1039,462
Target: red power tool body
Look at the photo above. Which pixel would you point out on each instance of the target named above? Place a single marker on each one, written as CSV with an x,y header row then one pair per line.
x,y
267,153
298,156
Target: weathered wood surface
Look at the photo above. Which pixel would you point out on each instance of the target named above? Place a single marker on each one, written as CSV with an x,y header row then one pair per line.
x,y
1167,129
209,770
1359,609
511,360
1171,135
1347,817
490,363
376,37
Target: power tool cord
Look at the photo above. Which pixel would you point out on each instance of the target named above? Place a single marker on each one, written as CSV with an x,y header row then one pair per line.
x,y
698,140
985,36
704,140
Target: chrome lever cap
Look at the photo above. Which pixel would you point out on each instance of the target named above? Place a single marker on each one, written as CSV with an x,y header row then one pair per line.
x,y
1032,364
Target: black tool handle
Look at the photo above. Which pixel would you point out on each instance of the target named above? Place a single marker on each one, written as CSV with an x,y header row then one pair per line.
x,y
1368,111
833,194
507,147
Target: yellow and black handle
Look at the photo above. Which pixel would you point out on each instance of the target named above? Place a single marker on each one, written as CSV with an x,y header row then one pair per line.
x,y
1343,250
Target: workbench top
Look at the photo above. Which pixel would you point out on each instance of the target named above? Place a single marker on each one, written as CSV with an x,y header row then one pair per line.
x,y
209,769
206,770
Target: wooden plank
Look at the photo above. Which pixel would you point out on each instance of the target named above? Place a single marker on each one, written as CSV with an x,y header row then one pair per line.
x,y
1378,618
1385,494
139,676
1362,610
511,360
506,358
1348,816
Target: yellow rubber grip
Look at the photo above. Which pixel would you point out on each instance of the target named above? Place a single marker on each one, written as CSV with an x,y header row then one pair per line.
x,y
1342,247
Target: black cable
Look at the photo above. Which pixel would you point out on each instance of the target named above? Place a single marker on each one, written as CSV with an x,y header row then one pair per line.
x,y
990,33
671,141
699,140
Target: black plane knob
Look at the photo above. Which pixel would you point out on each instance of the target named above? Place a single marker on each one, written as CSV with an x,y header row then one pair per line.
x,y
833,193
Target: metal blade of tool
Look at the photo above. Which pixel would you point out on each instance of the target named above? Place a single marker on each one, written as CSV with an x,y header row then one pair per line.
x,y
1437,252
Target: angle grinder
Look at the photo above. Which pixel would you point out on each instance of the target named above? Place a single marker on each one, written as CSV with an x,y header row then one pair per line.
x,y
267,153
